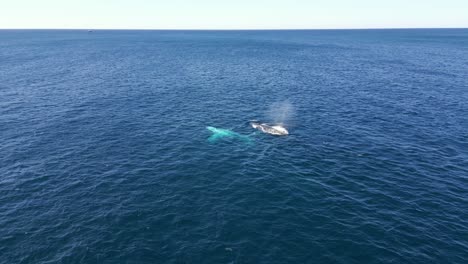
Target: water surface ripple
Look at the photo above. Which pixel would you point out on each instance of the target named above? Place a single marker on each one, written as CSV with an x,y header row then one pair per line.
x,y
104,155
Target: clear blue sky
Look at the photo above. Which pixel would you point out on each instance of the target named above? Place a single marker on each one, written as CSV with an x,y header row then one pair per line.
x,y
233,14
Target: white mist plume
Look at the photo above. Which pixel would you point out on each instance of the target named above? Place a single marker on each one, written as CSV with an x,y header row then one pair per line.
x,y
281,113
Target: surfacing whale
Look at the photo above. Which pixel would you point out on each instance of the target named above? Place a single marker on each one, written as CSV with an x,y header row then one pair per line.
x,y
277,130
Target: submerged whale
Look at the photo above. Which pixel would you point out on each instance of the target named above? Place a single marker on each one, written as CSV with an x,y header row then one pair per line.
x,y
277,130
219,133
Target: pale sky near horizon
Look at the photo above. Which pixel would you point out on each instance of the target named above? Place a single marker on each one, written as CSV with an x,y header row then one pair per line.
x,y
237,14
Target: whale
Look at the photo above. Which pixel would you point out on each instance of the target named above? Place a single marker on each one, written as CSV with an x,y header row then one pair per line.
x,y
220,133
276,130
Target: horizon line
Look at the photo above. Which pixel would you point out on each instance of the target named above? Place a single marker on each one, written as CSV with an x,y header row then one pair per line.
x,y
234,29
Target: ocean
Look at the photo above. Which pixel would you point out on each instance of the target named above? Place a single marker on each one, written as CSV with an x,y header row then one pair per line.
x,y
105,155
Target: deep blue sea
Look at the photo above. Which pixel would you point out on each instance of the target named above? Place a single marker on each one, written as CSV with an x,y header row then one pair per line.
x,y
105,157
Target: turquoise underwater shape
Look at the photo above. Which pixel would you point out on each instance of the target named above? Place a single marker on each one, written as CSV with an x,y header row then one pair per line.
x,y
220,133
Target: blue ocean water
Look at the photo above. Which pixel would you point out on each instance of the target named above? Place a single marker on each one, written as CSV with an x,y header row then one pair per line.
x,y
105,157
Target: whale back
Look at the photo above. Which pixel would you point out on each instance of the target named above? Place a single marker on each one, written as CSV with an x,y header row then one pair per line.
x,y
277,130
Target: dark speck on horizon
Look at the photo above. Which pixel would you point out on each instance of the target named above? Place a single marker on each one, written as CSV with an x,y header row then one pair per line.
x,y
105,157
